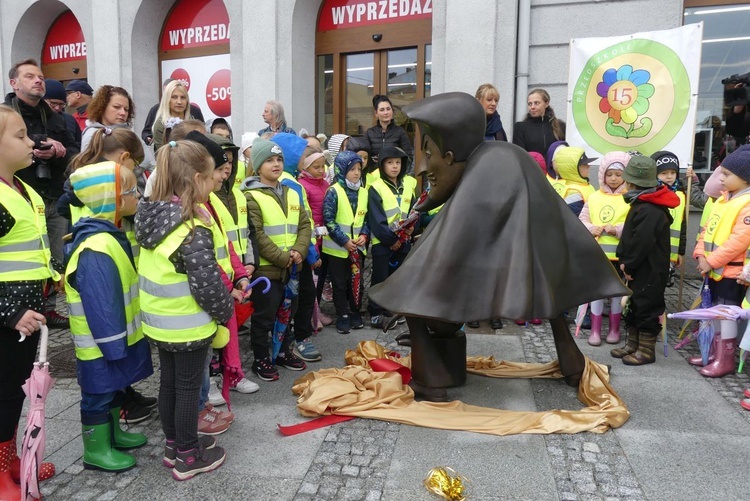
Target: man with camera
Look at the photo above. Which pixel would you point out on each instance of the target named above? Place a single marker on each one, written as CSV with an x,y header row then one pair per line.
x,y
737,98
53,148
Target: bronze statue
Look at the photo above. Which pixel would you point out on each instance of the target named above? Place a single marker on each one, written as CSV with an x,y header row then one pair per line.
x,y
504,245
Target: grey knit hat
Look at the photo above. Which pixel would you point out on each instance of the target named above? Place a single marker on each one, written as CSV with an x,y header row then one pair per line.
x,y
738,162
262,151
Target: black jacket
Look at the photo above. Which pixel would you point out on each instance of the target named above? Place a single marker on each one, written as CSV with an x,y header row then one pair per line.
x,y
147,133
41,119
394,135
535,133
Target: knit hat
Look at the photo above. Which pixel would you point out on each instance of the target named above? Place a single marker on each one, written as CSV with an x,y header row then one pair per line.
x,y
334,143
641,171
713,186
54,89
666,160
292,145
217,154
551,155
738,162
79,86
262,151
96,185
539,159
247,142
344,162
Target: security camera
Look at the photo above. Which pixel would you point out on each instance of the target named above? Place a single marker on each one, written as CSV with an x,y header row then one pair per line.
x,y
377,37
76,70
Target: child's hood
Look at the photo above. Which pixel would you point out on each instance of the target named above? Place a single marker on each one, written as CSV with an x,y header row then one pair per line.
x,y
154,221
96,186
566,161
393,152
660,195
343,163
612,160
293,146
253,183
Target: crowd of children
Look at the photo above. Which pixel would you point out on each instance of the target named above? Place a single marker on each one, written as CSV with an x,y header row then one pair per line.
x,y
178,264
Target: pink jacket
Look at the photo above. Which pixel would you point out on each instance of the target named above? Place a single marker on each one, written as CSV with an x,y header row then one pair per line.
x,y
316,192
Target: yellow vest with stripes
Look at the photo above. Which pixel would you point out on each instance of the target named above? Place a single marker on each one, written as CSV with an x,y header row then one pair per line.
x,y
586,190
704,216
719,228
169,311
86,347
235,232
279,227
395,211
559,185
24,251
678,214
289,177
604,209
350,223
127,226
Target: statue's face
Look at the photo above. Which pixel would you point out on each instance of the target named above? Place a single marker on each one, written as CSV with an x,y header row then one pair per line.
x,y
443,172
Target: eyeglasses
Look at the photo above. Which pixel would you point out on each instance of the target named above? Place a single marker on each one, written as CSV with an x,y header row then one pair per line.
x,y
57,105
133,191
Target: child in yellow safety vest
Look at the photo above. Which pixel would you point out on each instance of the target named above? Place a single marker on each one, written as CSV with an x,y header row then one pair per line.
x,y
722,251
604,215
572,165
101,285
26,269
183,298
283,232
344,214
668,173
390,199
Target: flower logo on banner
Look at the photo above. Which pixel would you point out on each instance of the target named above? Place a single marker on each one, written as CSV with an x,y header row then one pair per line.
x,y
624,98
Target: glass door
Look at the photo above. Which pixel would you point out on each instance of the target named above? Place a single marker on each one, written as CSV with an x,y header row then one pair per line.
x,y
360,82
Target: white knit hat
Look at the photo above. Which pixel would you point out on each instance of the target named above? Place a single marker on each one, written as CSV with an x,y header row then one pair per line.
x,y
247,142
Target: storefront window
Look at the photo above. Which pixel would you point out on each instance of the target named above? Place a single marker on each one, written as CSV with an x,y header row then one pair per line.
x,y
360,80
402,80
325,94
428,70
726,52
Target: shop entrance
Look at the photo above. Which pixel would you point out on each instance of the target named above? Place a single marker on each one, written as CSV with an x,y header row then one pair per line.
x,y
361,57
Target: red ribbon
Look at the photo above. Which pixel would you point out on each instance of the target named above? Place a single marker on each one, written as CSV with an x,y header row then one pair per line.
x,y
377,365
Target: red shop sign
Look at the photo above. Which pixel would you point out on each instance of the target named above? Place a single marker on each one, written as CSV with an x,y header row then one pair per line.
x,y
64,40
196,23
338,14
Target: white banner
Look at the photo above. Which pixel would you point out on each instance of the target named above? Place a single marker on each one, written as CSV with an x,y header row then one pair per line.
x,y
207,79
635,92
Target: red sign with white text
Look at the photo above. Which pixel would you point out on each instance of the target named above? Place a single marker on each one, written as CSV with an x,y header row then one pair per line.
x,y
338,14
64,40
196,23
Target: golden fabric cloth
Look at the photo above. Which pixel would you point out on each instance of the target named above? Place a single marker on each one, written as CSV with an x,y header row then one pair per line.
x,y
356,390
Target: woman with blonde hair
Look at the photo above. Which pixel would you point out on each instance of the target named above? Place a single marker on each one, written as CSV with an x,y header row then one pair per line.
x,y
488,96
175,103
541,127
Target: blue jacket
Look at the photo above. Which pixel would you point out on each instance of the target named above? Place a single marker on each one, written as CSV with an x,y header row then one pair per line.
x,y
98,282
331,207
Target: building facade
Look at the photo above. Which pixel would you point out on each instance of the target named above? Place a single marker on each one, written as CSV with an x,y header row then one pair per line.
x,y
325,59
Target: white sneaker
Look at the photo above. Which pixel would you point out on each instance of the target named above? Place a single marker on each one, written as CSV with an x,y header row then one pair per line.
x,y
245,386
214,395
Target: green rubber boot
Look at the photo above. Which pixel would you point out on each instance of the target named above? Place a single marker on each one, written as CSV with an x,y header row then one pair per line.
x,y
98,453
124,440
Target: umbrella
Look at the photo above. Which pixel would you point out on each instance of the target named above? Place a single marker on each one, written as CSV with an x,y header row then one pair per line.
x,y
580,314
284,313
32,449
705,314
231,366
356,280
401,226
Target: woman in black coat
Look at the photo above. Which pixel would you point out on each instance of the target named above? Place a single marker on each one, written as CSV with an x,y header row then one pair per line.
x,y
385,131
540,128
488,96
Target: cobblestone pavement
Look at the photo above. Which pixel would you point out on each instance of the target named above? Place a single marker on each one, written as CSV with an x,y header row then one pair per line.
x,y
355,457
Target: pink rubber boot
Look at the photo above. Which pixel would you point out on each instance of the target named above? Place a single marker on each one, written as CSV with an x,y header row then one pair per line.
x,y
595,338
613,336
712,354
725,361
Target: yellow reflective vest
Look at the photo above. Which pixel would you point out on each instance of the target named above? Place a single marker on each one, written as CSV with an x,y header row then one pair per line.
x,y
678,215
86,346
350,223
127,226
604,209
558,185
237,231
395,208
279,227
169,311
719,228
24,251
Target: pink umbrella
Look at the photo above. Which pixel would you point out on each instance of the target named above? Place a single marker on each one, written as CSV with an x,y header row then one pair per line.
x,y
37,388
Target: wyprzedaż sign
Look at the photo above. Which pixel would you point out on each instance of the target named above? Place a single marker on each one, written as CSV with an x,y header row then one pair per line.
x,y
64,41
196,23
338,14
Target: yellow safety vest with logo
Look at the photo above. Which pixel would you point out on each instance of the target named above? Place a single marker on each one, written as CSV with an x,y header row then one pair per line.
x,y
604,209
704,217
235,232
86,346
24,251
559,185
395,211
127,226
289,177
169,311
279,227
678,214
719,228
586,190
350,223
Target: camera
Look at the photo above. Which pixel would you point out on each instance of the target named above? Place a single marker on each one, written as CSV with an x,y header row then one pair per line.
x,y
38,140
42,169
739,95
377,37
